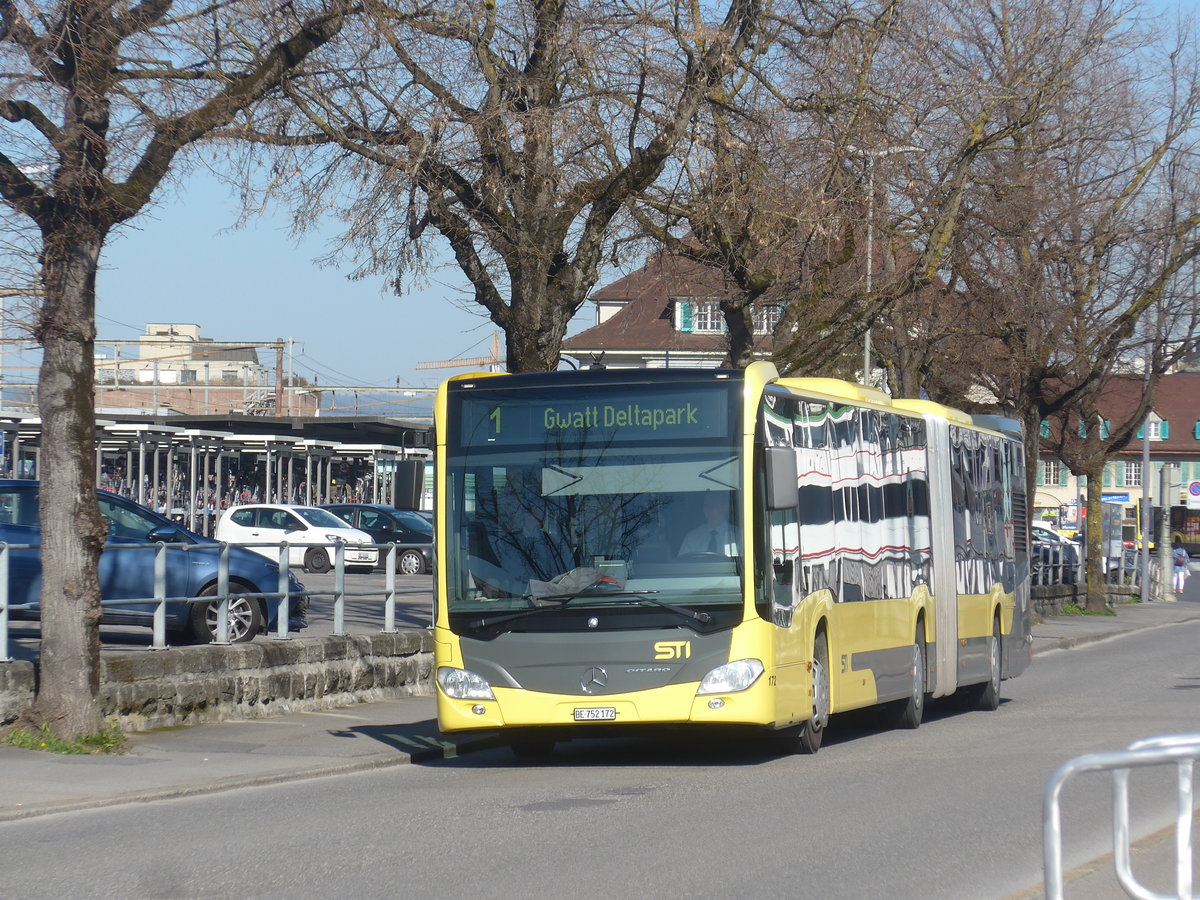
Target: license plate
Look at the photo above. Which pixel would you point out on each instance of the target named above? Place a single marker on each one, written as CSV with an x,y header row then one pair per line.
x,y
595,714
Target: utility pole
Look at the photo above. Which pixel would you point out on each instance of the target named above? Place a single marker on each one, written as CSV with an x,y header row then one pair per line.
x,y
1168,496
278,378
291,377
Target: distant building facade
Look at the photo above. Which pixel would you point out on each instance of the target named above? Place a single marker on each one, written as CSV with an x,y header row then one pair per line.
x,y
175,368
1172,431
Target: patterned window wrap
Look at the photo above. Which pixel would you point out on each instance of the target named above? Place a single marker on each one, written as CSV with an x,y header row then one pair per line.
x,y
863,529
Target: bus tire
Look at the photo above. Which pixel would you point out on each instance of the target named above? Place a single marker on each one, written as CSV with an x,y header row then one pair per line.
x,y
986,696
907,713
808,740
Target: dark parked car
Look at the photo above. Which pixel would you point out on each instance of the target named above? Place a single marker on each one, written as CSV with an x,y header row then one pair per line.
x,y
128,574
409,531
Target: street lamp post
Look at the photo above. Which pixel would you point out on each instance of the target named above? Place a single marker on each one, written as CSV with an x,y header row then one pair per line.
x,y
870,156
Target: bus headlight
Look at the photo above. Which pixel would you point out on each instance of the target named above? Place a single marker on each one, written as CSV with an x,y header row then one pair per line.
x,y
462,684
732,677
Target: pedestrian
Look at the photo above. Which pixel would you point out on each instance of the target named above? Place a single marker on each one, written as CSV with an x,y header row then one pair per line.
x,y
1182,561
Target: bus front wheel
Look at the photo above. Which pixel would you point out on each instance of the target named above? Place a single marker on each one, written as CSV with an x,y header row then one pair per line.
x,y
812,731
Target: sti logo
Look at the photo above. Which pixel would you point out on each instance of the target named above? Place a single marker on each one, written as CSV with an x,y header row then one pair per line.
x,y
673,650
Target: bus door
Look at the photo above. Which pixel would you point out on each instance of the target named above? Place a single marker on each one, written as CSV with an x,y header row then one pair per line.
x,y
944,581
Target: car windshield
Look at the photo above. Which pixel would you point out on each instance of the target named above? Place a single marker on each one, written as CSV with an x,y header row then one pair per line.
x,y
413,521
321,518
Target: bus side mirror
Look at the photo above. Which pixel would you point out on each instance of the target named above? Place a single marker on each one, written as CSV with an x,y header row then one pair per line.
x,y
782,490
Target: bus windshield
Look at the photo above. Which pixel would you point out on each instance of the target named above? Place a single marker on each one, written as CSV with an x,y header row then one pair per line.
x,y
610,501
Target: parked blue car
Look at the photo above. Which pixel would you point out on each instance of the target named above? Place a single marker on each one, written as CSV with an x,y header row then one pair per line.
x,y
128,574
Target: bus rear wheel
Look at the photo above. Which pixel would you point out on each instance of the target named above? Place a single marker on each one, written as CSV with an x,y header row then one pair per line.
x,y
907,713
986,696
808,740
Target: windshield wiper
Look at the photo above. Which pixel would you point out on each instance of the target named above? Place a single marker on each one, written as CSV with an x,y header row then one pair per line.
x,y
702,617
561,600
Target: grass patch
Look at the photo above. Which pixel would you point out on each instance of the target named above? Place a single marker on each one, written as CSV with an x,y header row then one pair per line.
x,y
110,740
1073,609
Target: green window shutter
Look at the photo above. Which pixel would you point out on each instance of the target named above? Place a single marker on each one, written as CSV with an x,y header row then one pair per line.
x,y
1196,431
1141,431
687,315
1164,429
1105,425
1041,476
1120,473
1082,428
1108,474
1045,429
1063,475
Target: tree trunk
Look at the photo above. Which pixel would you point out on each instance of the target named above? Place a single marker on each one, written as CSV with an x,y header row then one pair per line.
x,y
535,327
73,531
739,320
1096,596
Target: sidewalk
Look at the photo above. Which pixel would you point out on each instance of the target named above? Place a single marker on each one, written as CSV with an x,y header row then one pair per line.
x,y
221,756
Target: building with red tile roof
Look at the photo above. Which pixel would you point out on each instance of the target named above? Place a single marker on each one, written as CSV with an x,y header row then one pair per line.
x,y
664,314
1174,440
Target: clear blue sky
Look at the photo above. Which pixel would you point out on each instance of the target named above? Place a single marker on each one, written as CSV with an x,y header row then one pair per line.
x,y
183,261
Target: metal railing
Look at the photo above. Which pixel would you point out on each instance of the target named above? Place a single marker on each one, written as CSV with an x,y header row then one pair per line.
x,y
157,617
1052,564
1182,750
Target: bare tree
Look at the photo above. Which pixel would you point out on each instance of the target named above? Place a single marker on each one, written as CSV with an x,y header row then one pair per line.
x,y
1076,234
516,133
759,194
837,187
100,97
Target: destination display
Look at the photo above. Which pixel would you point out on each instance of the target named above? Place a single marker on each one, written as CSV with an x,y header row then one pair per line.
x,y
693,413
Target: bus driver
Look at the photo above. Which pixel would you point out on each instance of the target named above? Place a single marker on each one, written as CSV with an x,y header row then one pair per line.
x,y
716,535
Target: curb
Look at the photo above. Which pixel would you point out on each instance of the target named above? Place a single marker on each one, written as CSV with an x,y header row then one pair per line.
x,y
444,750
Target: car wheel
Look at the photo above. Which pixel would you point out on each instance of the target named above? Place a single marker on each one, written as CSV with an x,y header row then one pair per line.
x,y
410,563
245,616
317,560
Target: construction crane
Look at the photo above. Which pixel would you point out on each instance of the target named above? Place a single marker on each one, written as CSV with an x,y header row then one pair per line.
x,y
493,361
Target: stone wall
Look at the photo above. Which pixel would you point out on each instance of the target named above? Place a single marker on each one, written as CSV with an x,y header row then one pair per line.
x,y
208,683
1048,600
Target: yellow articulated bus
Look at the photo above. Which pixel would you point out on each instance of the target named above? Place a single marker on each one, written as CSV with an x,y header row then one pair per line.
x,y
622,550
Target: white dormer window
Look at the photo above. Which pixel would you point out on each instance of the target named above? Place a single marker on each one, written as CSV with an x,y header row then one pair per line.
x,y
704,317
701,316
708,316
1155,428
766,318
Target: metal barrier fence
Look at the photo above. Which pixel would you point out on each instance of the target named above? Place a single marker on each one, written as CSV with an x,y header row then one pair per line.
x,y
1181,749
1053,565
284,593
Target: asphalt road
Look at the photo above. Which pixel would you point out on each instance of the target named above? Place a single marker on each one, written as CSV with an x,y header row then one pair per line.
x,y
952,810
